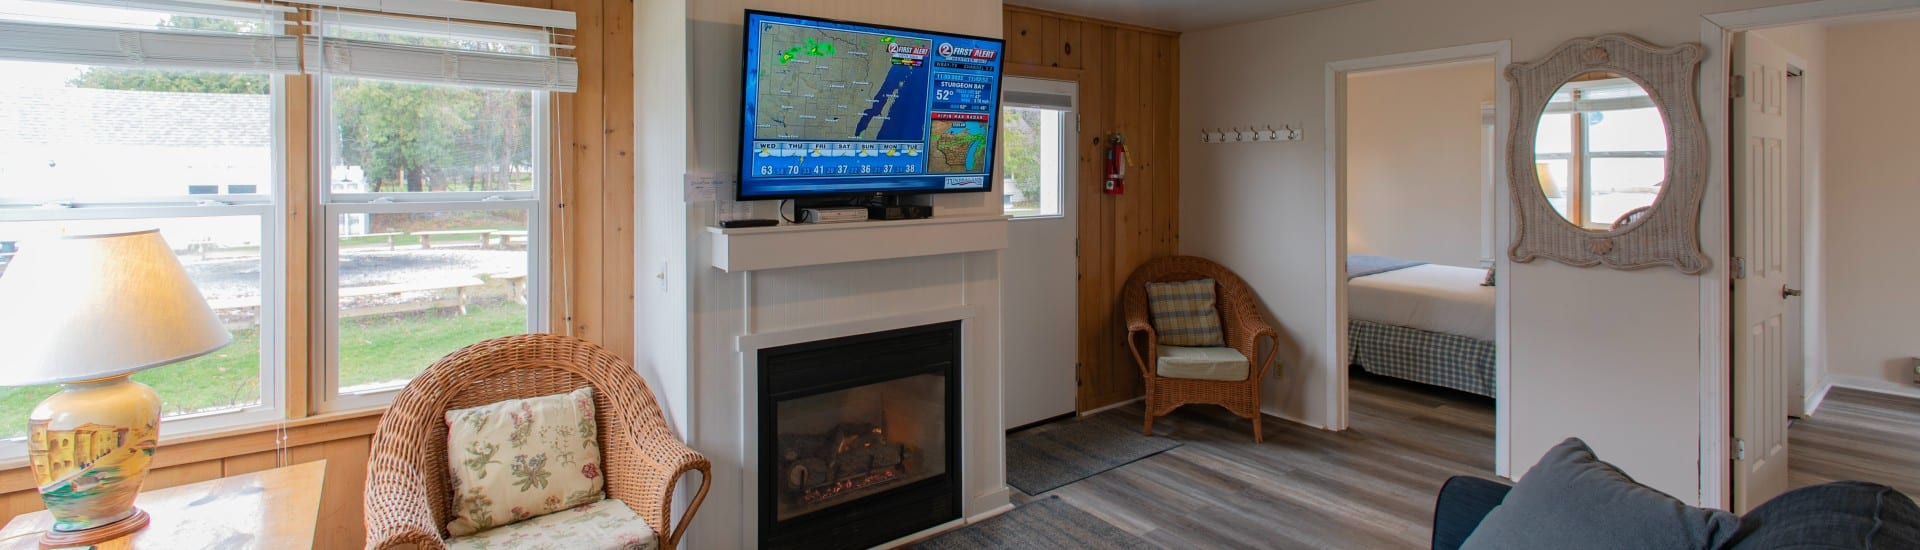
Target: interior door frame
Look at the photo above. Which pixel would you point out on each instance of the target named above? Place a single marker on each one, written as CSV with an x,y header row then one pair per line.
x,y
1335,339
1716,290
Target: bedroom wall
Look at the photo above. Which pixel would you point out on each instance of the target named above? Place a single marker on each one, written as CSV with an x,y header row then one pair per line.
x,y
1414,170
1610,356
1871,192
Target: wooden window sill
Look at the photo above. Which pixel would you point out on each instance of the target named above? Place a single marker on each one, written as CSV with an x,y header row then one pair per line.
x,y
236,441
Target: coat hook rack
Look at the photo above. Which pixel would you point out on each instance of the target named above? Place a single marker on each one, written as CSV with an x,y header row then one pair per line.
x,y
1252,133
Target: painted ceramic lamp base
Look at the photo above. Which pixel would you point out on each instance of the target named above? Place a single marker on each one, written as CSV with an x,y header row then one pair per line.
x,y
90,446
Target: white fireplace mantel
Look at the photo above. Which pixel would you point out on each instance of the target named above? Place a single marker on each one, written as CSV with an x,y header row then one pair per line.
x,y
796,245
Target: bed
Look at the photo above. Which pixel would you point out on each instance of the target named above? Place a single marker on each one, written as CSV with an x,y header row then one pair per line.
x,y
1421,322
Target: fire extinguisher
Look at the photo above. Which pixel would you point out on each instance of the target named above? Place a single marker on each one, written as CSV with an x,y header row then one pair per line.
x,y
1116,183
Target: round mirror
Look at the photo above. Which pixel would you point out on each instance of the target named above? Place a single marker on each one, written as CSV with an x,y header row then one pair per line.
x,y
1600,151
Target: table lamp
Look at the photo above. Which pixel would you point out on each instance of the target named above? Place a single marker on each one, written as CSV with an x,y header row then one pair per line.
x,y
87,312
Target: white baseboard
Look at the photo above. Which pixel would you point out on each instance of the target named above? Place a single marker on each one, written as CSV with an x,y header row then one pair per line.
x,y
1113,406
1293,419
1816,397
1876,386
991,503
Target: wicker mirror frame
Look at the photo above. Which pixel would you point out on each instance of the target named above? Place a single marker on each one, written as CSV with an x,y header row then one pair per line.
x,y
1669,233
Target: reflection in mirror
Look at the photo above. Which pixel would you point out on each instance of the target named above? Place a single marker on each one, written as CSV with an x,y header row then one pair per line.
x,y
1600,151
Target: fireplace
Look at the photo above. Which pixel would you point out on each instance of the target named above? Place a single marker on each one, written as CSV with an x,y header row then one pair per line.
x,y
859,438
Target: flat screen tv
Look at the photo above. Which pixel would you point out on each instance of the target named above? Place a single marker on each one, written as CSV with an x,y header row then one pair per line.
x,y
834,108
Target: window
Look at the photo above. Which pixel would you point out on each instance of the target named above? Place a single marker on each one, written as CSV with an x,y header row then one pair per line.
x,y
433,193
1034,125
94,144
426,177
1601,151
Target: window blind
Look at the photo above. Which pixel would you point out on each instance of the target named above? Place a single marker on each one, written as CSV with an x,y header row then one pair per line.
x,y
150,49
425,64
1043,100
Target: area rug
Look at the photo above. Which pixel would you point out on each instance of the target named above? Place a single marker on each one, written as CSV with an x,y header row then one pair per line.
x,y
1047,523
1047,457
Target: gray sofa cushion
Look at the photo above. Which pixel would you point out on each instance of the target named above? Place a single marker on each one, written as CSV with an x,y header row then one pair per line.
x,y
1571,501
1842,514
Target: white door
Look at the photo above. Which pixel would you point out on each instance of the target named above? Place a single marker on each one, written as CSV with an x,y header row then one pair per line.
x,y
1042,274
1761,257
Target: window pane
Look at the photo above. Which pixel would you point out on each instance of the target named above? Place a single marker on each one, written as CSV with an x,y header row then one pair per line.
x,y
79,133
222,256
1618,185
395,137
1554,135
1032,147
416,286
1626,130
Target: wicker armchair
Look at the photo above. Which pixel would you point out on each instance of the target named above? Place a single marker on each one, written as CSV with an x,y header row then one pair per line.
x,y
1240,319
408,494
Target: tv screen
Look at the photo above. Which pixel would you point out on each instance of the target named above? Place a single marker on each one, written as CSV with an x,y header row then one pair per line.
x,y
838,108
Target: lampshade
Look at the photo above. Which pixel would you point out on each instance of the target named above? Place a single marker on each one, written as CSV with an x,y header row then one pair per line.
x,y
1548,186
95,306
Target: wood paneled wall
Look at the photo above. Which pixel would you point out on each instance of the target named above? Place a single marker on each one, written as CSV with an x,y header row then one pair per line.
x,y
1129,85
591,257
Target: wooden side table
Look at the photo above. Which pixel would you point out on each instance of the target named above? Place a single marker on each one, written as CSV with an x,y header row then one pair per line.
x,y
266,509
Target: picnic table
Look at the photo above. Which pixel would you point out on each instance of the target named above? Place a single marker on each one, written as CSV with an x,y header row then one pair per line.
x,y
516,285
507,236
426,237
390,237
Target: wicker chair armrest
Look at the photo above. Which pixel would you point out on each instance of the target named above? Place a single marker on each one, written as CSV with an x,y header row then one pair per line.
x,y
1245,334
1145,359
397,511
669,460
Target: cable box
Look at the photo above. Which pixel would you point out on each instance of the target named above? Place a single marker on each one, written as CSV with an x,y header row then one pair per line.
x,y
900,212
834,215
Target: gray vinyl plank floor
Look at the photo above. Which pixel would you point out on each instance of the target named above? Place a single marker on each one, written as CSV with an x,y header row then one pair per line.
x,y
1373,485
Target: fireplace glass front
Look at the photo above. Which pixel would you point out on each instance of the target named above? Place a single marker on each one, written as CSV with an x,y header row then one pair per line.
x,y
859,438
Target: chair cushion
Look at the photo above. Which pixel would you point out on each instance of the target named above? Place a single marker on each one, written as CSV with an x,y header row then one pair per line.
x,y
1573,501
1184,314
1201,363
522,458
607,524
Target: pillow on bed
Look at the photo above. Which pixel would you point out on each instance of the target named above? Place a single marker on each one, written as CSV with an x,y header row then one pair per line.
x,y
1183,313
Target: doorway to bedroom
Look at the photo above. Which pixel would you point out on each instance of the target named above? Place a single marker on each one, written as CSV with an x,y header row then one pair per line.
x,y
1417,210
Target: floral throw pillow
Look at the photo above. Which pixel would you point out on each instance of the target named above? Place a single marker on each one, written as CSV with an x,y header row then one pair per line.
x,y
522,458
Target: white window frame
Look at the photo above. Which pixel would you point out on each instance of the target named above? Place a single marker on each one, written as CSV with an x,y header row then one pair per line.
x,y
324,387
273,265
1069,115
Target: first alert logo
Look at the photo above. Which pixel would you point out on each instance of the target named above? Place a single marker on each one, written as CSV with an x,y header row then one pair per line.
x,y
947,49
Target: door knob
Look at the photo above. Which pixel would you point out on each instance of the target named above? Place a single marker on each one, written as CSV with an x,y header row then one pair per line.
x,y
1788,292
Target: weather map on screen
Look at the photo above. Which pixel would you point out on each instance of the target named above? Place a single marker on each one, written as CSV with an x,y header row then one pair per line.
x,y
835,108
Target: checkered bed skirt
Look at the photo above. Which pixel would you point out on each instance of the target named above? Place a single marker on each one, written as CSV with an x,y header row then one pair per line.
x,y
1436,358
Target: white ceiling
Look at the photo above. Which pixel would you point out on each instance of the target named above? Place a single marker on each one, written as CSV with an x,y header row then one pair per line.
x,y
1181,15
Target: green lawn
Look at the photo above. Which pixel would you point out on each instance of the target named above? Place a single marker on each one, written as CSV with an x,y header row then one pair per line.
x,y
372,349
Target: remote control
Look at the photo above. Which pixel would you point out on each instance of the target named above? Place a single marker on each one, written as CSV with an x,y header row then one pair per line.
x,y
755,222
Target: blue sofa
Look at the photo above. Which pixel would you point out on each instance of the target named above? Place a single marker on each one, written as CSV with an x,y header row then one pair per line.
x,y
1845,514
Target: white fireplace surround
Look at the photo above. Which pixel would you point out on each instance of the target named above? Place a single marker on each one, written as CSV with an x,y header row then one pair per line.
x,y
743,311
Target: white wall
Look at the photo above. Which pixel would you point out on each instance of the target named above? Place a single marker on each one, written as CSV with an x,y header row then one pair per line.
x,y
1414,152
1872,189
1610,356
660,156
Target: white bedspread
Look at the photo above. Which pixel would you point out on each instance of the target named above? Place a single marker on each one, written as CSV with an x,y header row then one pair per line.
x,y
1430,297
